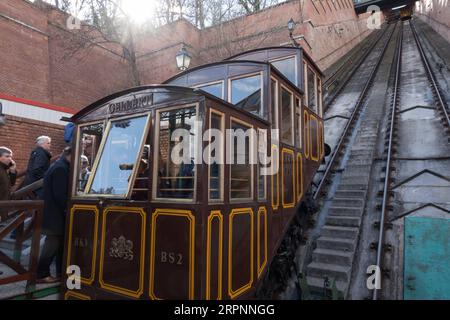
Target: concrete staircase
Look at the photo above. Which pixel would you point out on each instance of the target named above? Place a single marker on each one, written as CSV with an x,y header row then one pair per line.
x,y
337,244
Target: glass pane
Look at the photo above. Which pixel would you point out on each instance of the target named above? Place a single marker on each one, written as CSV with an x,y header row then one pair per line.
x,y
319,95
312,91
88,144
241,169
287,68
287,116
141,184
298,123
215,89
119,156
274,103
262,145
215,169
246,94
176,175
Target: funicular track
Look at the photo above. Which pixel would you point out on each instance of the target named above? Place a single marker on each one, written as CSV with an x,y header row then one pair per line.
x,y
404,162
337,151
333,249
337,81
283,264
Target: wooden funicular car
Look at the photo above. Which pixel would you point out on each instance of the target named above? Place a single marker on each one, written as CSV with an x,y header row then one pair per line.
x,y
143,225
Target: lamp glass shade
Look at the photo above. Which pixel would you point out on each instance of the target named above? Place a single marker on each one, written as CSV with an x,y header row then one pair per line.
x,y
291,24
183,59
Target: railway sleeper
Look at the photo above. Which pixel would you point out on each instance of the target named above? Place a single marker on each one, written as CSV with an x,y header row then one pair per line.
x,y
338,257
320,269
346,211
336,243
348,202
343,221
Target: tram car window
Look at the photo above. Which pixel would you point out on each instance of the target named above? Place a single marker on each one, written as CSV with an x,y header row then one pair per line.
x,y
184,190
296,66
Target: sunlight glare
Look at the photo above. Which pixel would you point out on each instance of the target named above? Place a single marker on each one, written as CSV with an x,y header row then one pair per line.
x,y
140,10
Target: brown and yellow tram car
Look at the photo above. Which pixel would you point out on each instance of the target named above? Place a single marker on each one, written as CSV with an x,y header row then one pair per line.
x,y
143,226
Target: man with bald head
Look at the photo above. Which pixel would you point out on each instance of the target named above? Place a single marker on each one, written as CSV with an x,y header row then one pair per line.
x,y
39,163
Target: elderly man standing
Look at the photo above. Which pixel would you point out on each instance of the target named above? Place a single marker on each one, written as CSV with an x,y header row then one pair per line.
x,y
7,173
39,163
56,184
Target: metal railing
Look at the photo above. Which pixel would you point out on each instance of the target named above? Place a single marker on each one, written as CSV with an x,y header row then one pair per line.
x,y
22,210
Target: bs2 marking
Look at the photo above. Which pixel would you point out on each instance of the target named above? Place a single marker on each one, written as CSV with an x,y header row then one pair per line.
x,y
171,258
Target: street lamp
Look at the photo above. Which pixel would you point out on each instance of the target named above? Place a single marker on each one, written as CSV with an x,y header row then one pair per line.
x,y
2,116
291,26
183,59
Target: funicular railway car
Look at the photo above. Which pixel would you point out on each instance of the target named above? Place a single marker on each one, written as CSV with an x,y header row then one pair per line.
x,y
143,224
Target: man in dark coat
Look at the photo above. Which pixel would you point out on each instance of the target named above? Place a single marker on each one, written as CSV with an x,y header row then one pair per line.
x,y
7,174
39,163
56,184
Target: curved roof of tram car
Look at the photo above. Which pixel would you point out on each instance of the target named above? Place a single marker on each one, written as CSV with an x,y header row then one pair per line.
x,y
281,48
234,62
157,88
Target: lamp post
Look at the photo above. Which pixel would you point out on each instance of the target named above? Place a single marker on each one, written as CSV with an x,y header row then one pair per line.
x,y
2,116
183,59
291,26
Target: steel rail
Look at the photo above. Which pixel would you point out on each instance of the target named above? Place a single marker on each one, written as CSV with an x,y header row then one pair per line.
x,y
430,73
387,178
355,111
350,76
332,77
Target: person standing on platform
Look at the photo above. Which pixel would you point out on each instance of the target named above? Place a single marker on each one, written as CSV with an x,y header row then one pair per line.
x,y
8,174
56,185
39,163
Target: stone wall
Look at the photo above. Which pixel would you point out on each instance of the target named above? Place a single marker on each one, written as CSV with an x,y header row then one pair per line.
x,y
436,13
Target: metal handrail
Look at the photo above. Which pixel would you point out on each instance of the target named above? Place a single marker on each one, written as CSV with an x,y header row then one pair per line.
x,y
352,118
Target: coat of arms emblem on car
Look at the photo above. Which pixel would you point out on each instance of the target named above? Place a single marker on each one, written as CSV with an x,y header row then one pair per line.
x,y
121,248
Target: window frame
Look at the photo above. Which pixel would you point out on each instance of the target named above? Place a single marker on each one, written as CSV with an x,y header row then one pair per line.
x,y
258,130
222,82
308,66
299,119
295,67
248,75
76,165
305,81
100,154
156,144
222,166
276,123
319,95
292,143
250,150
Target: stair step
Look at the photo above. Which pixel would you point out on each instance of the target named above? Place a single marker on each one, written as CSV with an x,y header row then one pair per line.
x,y
319,269
353,167
316,284
339,257
360,161
348,202
346,211
339,232
352,186
346,179
359,194
343,221
336,243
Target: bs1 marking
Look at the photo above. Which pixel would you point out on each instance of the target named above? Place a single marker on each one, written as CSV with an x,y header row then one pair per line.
x,y
171,258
